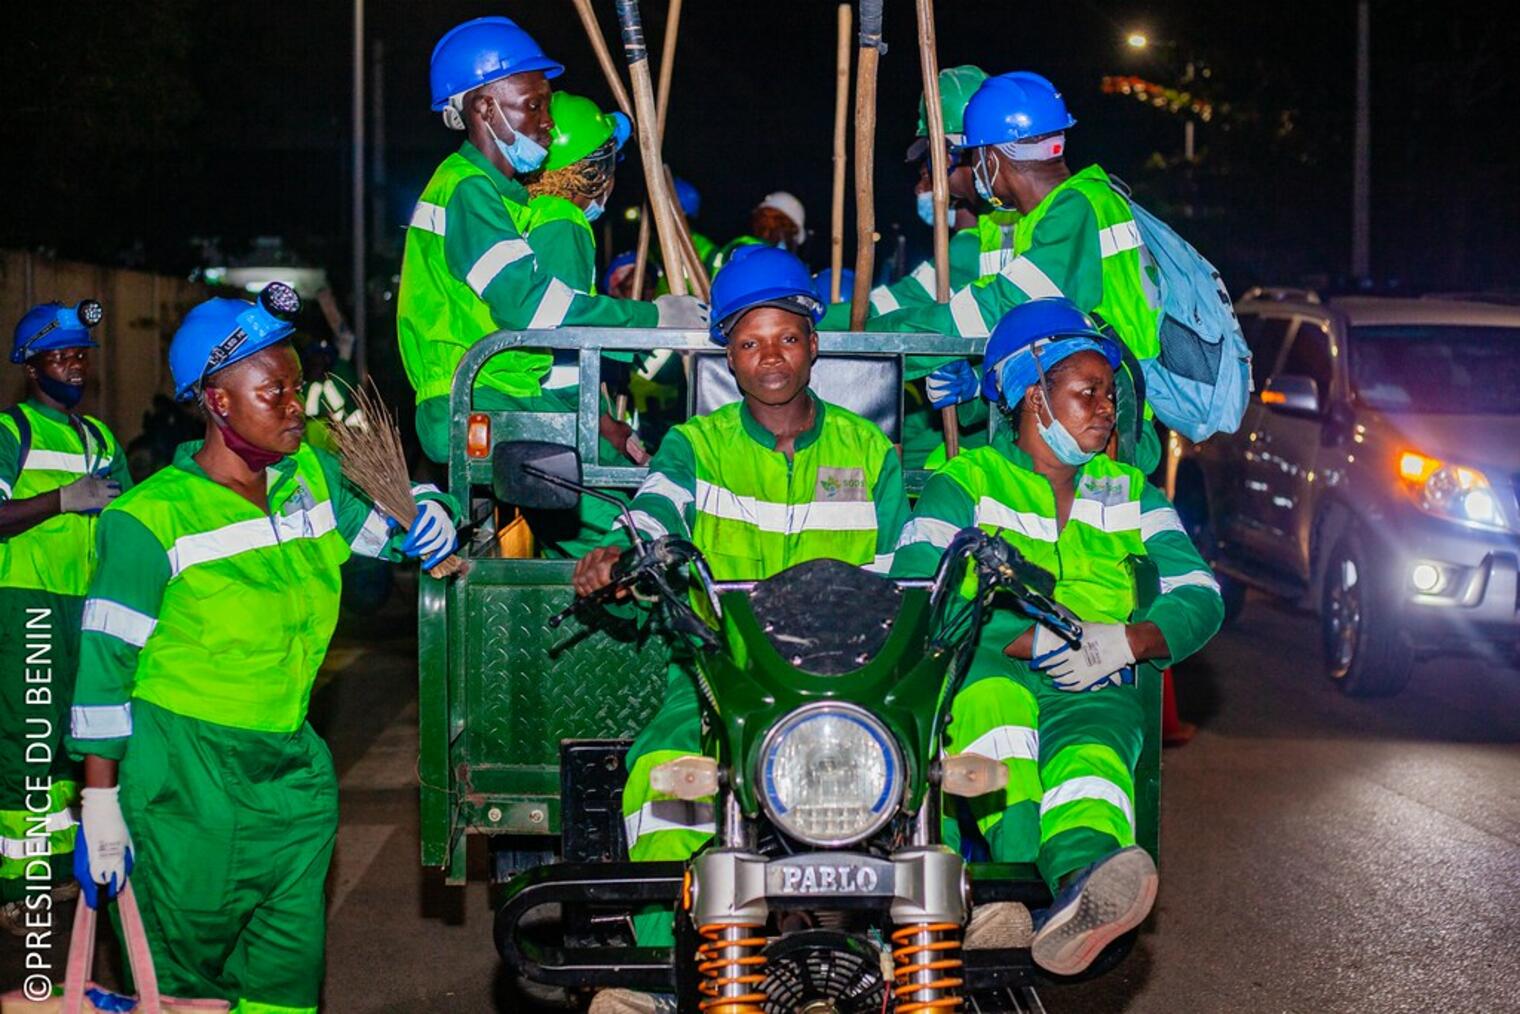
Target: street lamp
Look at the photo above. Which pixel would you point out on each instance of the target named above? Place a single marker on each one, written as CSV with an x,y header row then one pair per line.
x,y
1139,40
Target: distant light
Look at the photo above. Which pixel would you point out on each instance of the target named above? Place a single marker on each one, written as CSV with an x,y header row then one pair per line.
x,y
631,214
1137,40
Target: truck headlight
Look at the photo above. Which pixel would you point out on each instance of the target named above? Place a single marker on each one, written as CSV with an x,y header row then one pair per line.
x,y
1453,492
830,774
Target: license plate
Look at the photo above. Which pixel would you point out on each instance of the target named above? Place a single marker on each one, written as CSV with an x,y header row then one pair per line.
x,y
830,875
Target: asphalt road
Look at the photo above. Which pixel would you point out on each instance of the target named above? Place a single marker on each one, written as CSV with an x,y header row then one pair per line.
x,y
1320,854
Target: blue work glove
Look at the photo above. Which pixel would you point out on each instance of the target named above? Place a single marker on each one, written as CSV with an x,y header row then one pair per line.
x,y
952,384
432,535
102,846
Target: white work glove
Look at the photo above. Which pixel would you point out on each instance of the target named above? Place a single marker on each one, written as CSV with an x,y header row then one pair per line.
x,y
87,495
1101,658
432,535
686,312
108,845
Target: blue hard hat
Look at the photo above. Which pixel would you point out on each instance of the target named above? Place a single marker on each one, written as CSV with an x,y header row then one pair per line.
x,y
758,275
823,281
1051,328
1014,107
49,326
688,197
625,259
220,332
481,51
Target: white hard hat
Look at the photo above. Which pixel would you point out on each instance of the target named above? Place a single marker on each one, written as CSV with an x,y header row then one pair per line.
x,y
790,207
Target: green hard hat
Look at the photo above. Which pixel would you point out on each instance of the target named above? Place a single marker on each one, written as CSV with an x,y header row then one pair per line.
x,y
956,86
580,128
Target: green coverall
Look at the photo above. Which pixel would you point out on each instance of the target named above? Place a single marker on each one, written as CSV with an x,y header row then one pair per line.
x,y
1070,756
205,626
1080,242
753,512
44,572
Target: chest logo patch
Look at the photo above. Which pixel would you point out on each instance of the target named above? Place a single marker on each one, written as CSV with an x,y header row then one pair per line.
x,y
1110,491
841,485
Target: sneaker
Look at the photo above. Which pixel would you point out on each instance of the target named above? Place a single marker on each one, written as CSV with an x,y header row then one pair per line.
x,y
999,925
631,1001
1105,901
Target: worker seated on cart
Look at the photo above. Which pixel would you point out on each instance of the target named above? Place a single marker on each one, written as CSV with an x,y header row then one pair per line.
x,y
773,480
1066,721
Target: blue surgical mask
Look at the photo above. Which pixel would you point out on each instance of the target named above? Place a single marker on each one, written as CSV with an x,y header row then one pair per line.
x,y
595,208
1061,443
926,207
67,395
524,153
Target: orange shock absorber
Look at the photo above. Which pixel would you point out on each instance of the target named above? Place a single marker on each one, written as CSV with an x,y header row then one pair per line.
x,y
732,967
927,957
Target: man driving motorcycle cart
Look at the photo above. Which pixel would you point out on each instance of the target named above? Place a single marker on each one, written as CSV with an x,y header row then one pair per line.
x,y
773,480
1065,721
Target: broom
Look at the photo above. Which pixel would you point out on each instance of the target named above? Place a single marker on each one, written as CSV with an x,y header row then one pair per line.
x,y
375,464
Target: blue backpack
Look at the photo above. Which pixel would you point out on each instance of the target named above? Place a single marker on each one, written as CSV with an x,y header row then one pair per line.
x,y
1201,382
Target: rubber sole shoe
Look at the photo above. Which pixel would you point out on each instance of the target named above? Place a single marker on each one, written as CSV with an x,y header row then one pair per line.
x,y
1113,898
631,1001
999,925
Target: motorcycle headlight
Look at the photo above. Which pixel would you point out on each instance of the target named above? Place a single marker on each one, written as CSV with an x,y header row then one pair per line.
x,y
830,774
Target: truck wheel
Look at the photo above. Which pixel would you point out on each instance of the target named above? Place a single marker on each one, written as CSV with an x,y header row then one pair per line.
x,y
1364,652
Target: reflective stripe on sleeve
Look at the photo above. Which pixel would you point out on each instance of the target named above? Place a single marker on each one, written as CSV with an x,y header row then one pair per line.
x,y
1036,284
429,218
1193,578
553,307
5,489
100,721
1161,519
931,530
669,815
1118,238
102,616
967,315
926,277
491,263
36,844
660,484
1007,742
370,540
881,563
883,301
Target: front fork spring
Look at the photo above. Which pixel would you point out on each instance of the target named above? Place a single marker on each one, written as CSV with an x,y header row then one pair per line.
x,y
927,956
732,966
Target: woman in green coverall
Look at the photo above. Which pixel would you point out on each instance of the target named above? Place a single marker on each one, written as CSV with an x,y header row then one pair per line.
x,y
1065,721
205,624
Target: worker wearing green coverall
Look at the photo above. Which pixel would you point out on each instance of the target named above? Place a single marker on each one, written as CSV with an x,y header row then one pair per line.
x,y
58,468
1077,238
758,486
471,264
1065,721
208,617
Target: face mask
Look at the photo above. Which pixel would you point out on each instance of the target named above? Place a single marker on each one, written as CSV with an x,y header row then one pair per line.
x,y
67,395
595,208
984,182
524,153
256,458
1056,436
926,207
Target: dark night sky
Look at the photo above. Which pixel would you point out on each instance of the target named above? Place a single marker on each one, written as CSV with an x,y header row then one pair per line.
x,y
142,123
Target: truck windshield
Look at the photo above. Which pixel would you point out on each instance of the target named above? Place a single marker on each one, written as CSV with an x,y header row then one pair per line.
x,y
1444,369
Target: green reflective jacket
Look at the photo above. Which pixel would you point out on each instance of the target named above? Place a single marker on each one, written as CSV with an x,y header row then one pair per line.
x,y
212,608
57,555
753,511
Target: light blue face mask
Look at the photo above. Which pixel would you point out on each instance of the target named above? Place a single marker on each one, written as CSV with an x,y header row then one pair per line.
x,y
524,153
926,207
1056,436
984,182
595,208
